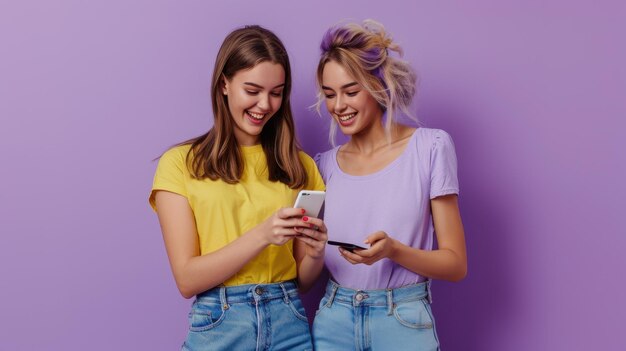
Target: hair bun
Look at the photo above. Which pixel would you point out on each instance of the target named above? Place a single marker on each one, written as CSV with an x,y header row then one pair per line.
x,y
377,30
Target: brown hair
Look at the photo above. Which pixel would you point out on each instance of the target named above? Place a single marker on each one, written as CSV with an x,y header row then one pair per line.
x,y
215,155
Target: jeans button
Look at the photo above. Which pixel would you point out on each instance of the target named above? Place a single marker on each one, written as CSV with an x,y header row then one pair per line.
x,y
258,291
359,297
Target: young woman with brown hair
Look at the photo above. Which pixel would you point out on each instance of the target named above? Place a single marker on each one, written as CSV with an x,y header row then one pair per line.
x,y
223,201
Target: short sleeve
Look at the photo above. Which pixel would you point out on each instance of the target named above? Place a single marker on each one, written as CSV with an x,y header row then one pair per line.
x,y
315,181
323,162
443,175
170,174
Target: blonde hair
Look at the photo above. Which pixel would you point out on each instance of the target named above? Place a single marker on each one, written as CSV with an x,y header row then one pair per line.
x,y
364,52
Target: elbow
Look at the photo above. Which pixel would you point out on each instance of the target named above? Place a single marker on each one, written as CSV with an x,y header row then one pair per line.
x,y
185,291
460,274
186,294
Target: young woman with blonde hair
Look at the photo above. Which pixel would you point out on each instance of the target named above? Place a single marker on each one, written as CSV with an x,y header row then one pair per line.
x,y
391,189
224,204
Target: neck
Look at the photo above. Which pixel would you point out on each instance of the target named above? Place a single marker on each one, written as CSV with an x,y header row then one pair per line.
x,y
372,138
246,140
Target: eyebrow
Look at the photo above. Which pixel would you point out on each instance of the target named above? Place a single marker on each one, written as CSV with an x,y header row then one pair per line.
x,y
342,87
262,87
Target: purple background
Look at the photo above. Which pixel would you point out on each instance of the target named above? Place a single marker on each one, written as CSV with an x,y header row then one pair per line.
x,y
533,94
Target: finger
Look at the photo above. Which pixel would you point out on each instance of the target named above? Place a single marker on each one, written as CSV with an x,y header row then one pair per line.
x,y
319,238
306,231
286,232
364,253
351,255
316,222
372,238
311,242
288,212
290,223
342,252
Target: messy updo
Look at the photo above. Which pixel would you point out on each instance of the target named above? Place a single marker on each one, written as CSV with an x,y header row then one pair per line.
x,y
364,52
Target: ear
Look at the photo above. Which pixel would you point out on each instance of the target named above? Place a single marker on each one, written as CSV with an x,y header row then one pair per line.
x,y
224,85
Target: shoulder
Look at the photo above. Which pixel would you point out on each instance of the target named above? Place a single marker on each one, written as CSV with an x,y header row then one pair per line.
x,y
306,160
175,156
432,138
324,160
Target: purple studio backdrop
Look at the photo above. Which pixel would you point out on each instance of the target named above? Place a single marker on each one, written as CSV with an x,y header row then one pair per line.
x,y
532,92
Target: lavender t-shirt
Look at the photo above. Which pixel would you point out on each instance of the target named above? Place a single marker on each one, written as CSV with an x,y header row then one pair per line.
x,y
395,200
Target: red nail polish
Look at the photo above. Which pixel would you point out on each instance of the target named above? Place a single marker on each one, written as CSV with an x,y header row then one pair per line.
x,y
303,211
305,218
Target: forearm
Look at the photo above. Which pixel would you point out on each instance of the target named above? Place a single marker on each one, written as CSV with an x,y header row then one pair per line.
x,y
438,264
309,269
201,273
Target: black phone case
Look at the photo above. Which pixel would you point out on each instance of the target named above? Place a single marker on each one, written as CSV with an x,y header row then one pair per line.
x,y
346,246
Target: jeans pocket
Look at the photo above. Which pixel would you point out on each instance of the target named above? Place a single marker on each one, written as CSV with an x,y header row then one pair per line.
x,y
295,304
413,314
204,316
322,306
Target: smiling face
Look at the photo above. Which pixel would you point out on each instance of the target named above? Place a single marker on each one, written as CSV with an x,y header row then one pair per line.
x,y
353,107
253,96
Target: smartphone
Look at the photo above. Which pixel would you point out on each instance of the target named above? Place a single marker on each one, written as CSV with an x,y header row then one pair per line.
x,y
311,201
347,246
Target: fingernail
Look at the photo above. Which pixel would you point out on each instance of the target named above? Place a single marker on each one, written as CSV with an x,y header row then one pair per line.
x,y
305,218
303,211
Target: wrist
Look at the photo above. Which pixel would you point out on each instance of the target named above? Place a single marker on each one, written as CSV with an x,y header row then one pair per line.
x,y
316,257
258,235
395,248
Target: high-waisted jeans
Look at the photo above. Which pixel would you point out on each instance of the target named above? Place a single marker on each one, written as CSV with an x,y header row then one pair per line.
x,y
385,319
249,317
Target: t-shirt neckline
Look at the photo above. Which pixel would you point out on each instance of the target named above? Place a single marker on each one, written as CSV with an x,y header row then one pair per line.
x,y
380,172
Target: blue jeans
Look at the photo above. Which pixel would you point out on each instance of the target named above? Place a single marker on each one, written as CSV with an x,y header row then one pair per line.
x,y
249,317
385,319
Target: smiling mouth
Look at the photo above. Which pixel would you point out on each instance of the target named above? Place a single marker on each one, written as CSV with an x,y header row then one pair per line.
x,y
346,119
255,118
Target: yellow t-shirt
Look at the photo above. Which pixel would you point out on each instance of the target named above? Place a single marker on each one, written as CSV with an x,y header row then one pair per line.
x,y
223,212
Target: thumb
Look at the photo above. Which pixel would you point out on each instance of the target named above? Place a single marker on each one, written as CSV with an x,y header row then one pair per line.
x,y
372,238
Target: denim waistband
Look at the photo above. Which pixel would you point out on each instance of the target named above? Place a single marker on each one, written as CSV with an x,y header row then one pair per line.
x,y
377,297
251,293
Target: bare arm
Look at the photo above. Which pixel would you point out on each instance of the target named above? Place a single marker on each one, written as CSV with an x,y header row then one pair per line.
x,y
449,262
194,273
308,251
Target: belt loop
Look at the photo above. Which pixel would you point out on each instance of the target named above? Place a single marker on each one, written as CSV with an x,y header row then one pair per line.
x,y
428,291
223,299
333,292
389,302
285,293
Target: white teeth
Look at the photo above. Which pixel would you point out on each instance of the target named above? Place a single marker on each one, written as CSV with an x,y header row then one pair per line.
x,y
256,115
347,117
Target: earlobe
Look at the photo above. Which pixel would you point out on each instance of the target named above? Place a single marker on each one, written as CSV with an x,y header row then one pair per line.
x,y
224,85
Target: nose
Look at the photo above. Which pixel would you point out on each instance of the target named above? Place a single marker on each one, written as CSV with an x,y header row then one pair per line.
x,y
264,102
339,106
